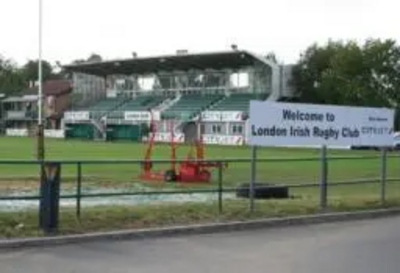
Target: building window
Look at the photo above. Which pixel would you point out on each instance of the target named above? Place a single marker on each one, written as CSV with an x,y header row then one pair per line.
x,y
216,129
237,129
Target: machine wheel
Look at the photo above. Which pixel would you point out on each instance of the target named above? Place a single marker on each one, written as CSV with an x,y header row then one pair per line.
x,y
263,191
205,176
170,176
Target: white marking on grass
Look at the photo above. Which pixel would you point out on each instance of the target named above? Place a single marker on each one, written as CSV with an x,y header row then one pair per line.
x,y
144,199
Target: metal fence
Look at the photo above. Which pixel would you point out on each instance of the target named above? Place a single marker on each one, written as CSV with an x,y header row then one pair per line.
x,y
108,182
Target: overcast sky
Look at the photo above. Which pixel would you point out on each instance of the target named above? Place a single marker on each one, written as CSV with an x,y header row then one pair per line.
x,y
75,28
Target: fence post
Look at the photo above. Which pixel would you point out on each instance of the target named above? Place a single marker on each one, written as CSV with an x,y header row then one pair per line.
x,y
79,190
253,176
324,178
49,202
220,188
383,175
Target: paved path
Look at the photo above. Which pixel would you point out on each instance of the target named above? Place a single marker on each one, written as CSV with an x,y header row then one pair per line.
x,y
357,247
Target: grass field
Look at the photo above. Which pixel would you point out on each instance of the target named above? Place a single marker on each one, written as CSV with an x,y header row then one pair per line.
x,y
25,148
349,197
276,172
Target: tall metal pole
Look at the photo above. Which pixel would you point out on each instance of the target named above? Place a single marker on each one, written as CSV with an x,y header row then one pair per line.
x,y
40,127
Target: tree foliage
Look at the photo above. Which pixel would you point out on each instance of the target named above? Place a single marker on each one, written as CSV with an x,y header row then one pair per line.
x,y
11,79
94,57
14,78
350,74
31,68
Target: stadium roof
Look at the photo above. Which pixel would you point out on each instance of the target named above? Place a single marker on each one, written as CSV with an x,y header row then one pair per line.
x,y
234,59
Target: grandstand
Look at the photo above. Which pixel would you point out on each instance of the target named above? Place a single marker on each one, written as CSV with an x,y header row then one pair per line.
x,y
238,102
190,106
103,107
116,100
140,103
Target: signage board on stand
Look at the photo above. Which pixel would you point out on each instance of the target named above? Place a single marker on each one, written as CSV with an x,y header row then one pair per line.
x,y
279,124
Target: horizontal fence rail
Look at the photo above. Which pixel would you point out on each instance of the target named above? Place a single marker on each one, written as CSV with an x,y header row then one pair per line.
x,y
160,161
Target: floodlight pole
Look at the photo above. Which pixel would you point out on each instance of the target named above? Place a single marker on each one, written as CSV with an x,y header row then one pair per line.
x,y
40,127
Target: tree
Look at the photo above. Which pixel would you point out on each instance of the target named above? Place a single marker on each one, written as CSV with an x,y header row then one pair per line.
x,y
383,60
64,74
347,73
94,58
31,68
308,74
11,79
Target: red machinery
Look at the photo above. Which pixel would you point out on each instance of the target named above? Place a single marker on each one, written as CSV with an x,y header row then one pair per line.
x,y
193,169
